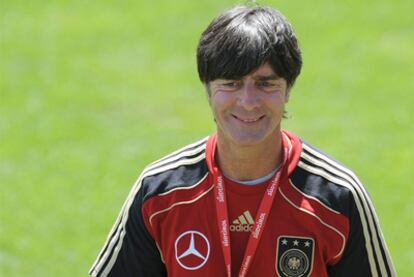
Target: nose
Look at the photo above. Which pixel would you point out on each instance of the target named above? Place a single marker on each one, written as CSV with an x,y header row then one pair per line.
x,y
248,96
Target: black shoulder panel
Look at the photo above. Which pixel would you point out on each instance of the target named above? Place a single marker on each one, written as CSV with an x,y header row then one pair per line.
x,y
184,175
307,147
332,195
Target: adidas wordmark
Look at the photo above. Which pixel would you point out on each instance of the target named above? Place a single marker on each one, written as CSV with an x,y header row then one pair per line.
x,y
244,223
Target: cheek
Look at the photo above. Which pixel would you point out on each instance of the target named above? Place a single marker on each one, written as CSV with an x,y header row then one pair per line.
x,y
275,101
220,100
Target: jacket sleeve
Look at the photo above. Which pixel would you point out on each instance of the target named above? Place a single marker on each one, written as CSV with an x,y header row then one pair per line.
x,y
130,250
365,253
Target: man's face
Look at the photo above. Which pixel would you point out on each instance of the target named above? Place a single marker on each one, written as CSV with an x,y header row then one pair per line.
x,y
249,111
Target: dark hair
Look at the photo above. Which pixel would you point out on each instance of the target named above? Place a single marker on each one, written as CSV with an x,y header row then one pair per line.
x,y
242,39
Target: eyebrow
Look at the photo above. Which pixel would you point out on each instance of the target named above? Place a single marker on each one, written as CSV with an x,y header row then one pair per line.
x,y
257,78
266,77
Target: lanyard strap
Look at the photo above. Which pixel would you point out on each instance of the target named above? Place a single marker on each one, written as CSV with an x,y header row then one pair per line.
x,y
259,223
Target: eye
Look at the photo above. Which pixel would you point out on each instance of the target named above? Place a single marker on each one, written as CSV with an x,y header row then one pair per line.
x,y
230,84
268,85
265,84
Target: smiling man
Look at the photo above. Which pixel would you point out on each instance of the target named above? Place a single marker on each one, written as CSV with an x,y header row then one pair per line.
x,y
251,199
248,112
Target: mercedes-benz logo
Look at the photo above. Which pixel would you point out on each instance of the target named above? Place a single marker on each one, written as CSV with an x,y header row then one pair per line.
x,y
192,250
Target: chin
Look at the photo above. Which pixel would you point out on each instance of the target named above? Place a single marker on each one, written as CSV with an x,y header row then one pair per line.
x,y
248,140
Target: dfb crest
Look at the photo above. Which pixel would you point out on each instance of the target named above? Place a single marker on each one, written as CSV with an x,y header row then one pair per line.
x,y
294,256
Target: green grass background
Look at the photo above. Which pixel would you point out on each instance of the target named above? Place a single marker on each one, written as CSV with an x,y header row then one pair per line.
x,y
92,91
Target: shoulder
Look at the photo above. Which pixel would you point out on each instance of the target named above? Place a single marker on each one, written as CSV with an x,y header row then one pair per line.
x,y
183,168
337,187
329,181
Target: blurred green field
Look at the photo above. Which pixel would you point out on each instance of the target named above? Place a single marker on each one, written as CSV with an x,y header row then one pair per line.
x,y
92,91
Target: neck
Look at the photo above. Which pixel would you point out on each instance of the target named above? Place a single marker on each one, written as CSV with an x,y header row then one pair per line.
x,y
249,162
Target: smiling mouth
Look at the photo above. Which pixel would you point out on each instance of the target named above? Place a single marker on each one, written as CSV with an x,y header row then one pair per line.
x,y
248,120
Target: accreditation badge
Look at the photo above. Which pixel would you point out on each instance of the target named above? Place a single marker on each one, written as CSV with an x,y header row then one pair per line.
x,y
294,256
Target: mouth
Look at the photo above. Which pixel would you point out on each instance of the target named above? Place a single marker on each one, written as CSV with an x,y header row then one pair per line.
x,y
248,120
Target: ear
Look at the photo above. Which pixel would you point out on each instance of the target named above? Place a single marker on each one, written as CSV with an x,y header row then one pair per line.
x,y
287,95
208,90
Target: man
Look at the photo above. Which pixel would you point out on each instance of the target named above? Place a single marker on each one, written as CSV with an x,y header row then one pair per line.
x,y
252,199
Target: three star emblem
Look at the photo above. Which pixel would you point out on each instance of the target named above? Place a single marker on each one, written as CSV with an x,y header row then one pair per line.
x,y
296,243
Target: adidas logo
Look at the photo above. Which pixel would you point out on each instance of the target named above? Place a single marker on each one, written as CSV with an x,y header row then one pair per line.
x,y
244,223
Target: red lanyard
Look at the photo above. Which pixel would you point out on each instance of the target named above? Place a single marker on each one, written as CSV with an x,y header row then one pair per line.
x,y
259,223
